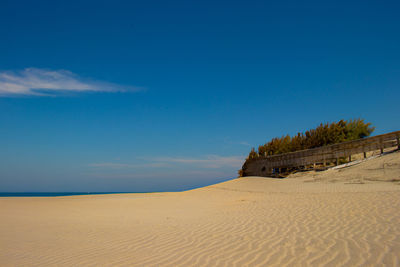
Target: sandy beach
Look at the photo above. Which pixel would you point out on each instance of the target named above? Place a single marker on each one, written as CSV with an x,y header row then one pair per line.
x,y
342,217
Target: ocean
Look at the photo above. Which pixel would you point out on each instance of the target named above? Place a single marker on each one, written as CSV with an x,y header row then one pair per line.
x,y
54,194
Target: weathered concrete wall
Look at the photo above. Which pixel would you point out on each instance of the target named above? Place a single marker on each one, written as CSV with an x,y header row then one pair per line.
x,y
266,166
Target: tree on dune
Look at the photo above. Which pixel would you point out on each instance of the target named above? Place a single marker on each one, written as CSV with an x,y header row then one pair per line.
x,y
324,134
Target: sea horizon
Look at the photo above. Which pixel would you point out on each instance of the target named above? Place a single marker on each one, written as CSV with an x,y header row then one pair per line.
x,y
59,194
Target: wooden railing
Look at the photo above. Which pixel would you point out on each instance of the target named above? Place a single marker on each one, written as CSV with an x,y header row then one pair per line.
x,y
309,158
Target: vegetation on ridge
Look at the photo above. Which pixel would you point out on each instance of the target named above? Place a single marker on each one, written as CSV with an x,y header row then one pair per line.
x,y
324,134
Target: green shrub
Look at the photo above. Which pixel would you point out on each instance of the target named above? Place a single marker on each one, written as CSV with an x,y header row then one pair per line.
x,y
324,134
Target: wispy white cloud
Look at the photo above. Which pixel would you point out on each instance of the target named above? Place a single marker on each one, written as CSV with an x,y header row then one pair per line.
x,y
211,161
244,143
174,174
117,166
227,140
44,82
110,165
207,162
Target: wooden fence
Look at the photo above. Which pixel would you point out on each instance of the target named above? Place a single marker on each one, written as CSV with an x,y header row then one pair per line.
x,y
321,156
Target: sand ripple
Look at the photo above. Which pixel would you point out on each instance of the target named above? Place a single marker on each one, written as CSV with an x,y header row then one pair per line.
x,y
244,222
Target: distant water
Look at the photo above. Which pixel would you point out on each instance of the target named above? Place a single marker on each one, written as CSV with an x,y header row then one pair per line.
x,y
60,194
53,194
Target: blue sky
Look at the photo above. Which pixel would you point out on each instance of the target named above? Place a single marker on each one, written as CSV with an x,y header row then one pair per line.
x,y
170,95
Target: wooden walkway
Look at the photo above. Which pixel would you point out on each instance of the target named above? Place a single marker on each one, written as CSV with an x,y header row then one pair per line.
x,y
275,165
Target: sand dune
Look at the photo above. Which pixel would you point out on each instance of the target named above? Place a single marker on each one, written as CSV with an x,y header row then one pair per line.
x,y
347,217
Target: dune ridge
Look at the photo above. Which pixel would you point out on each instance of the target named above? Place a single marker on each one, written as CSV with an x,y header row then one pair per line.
x,y
346,217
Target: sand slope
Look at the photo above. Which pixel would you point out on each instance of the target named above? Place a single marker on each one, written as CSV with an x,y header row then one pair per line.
x,y
344,217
